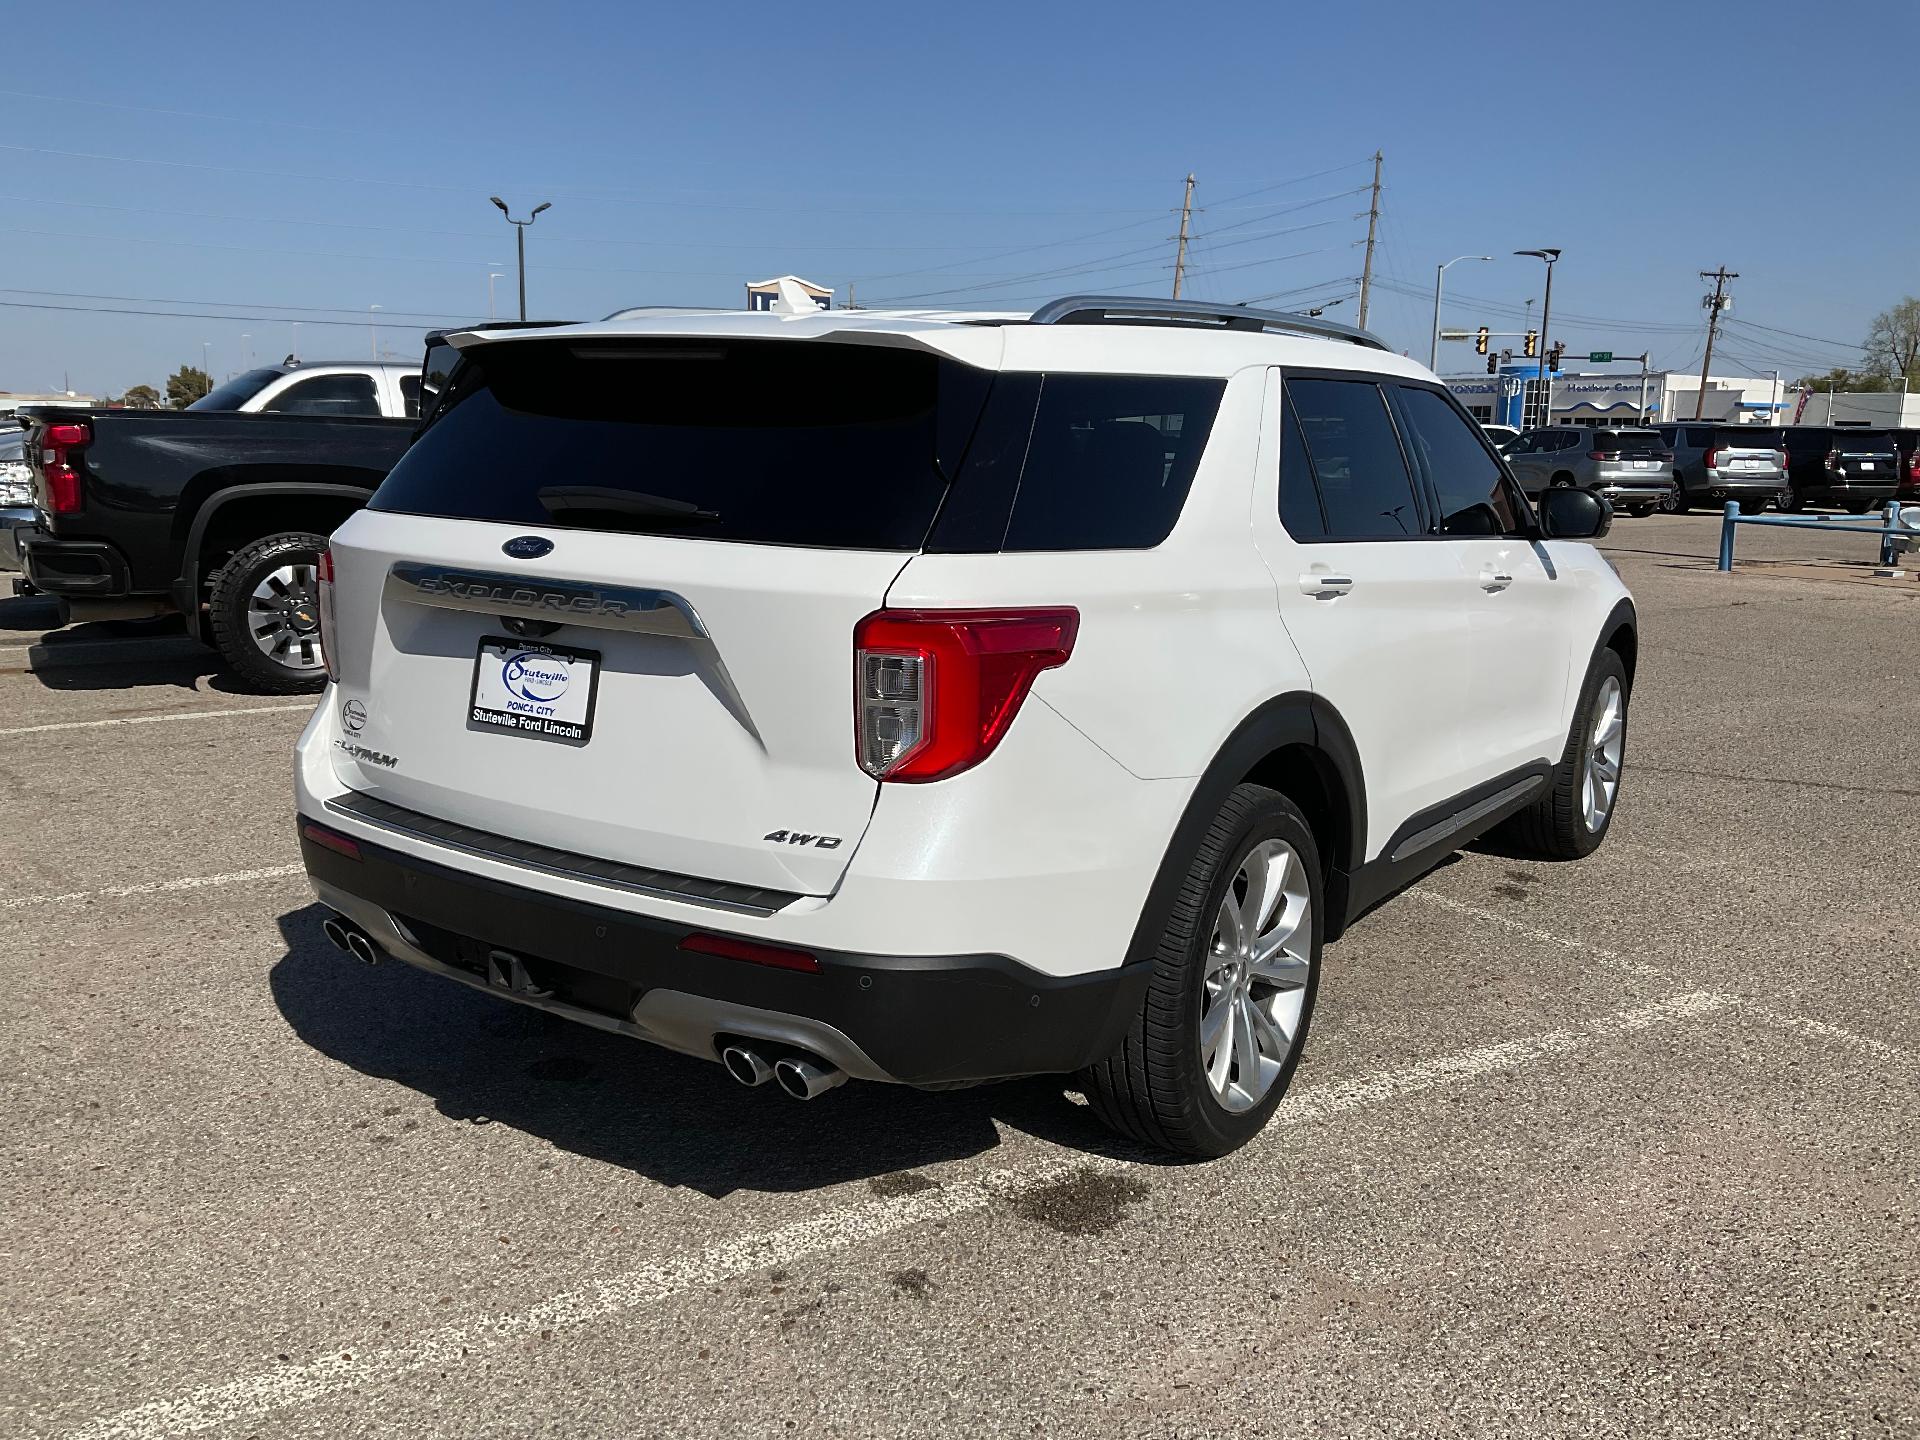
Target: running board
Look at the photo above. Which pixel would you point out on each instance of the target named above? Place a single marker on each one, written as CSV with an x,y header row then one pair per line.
x,y
1462,820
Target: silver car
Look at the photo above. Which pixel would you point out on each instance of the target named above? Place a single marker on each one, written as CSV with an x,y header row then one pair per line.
x,y
1717,463
1633,468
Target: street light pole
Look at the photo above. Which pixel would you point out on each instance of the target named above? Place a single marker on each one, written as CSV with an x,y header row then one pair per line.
x,y
1439,275
520,240
1548,254
373,345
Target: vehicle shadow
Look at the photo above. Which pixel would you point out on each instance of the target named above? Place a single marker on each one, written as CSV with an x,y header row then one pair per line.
x,y
676,1120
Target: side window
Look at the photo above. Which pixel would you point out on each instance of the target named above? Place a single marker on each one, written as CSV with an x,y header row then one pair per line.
x,y
328,395
1365,489
1110,460
1474,498
410,395
1299,495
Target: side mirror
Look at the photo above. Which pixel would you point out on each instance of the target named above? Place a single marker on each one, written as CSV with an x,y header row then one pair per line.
x,y
1569,514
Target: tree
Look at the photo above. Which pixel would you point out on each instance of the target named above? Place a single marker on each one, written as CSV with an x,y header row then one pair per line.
x,y
1893,340
141,397
1841,379
187,385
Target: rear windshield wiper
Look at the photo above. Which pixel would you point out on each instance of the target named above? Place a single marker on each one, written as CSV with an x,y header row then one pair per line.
x,y
606,500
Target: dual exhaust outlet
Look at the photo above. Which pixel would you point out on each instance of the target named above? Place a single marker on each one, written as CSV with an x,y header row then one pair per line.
x,y
804,1077
345,935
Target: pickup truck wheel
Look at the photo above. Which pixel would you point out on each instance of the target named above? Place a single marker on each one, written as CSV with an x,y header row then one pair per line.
x,y
265,612
1225,1016
1639,512
1571,818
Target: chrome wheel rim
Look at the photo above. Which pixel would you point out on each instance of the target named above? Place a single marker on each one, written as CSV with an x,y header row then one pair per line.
x,y
283,615
1255,988
1606,744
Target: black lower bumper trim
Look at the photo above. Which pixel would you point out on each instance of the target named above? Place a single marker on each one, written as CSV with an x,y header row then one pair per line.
x,y
922,1019
80,569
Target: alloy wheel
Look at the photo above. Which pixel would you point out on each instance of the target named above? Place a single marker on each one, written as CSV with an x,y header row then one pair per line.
x,y
283,616
1254,989
1606,745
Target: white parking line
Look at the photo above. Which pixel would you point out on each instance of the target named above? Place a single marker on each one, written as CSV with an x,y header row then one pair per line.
x,y
159,719
1607,958
156,887
346,1367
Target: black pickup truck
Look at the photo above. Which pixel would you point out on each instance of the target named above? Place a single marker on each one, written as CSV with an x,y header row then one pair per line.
x,y
220,516
216,515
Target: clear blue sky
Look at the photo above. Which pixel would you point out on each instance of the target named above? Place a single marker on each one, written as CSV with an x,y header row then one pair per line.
x,y
246,159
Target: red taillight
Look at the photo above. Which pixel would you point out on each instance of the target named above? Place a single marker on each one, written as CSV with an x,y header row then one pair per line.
x,y
57,444
1713,457
1602,455
331,839
325,573
777,956
935,690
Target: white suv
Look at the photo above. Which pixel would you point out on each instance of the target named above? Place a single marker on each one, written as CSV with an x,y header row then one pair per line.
x,y
939,698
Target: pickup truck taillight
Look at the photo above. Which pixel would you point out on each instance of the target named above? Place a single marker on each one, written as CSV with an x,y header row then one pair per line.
x,y
57,444
935,690
327,624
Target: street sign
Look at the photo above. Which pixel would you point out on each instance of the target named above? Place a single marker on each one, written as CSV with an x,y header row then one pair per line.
x,y
1456,334
1599,357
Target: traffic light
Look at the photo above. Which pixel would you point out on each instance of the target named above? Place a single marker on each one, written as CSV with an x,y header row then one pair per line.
x,y
1480,341
1533,342
1553,355
1493,364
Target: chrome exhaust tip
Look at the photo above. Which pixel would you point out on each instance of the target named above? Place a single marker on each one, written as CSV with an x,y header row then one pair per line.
x,y
335,932
360,945
746,1065
807,1079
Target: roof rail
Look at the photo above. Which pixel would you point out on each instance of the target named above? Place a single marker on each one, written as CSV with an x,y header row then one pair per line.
x,y
1120,309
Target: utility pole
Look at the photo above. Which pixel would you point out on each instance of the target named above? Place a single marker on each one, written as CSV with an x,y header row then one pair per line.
x,y
1715,304
1180,255
1373,224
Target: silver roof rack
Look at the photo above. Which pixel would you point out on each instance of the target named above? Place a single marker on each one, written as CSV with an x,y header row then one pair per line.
x,y
1124,309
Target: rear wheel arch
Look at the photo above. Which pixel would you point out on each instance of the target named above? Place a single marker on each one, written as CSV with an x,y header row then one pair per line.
x,y
1298,745
235,516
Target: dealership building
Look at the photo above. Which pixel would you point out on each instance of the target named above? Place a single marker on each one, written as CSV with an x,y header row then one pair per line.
x,y
1513,395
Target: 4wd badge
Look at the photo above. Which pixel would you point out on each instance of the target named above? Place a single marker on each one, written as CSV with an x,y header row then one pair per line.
x,y
796,837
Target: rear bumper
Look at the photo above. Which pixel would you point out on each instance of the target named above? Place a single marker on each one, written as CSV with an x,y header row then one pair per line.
x,y
76,569
1634,491
918,1020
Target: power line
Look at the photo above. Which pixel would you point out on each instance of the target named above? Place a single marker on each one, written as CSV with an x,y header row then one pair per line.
x,y
255,304
1296,180
360,324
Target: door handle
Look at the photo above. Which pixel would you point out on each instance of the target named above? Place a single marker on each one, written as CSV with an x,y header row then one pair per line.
x,y
1325,587
1492,580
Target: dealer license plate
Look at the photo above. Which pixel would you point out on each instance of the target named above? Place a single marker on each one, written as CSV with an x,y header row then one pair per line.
x,y
523,687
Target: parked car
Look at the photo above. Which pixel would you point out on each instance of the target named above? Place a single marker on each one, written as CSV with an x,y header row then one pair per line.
x,y
1501,435
905,699
1907,443
1853,469
1632,468
218,512
16,495
1713,464
309,387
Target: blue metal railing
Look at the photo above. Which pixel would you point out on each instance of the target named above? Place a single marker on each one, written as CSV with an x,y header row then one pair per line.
x,y
1894,535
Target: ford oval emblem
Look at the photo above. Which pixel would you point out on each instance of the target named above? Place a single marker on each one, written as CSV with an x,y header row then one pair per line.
x,y
528,547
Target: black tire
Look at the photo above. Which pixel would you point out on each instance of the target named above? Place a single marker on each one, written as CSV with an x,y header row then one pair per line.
x,y
1554,826
1154,1088
1677,503
1752,507
1562,481
1791,501
233,618
1640,512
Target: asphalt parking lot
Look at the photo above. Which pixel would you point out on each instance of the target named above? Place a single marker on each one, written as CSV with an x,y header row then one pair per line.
x,y
1625,1146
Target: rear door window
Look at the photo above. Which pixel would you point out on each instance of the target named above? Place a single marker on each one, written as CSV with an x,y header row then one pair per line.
x,y
1475,498
1366,491
327,395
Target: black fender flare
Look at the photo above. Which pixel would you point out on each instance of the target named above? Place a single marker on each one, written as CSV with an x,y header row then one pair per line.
x,y
1625,617
1296,718
186,589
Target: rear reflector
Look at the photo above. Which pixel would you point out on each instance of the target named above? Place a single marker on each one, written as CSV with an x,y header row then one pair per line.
x,y
935,690
330,840
324,573
777,956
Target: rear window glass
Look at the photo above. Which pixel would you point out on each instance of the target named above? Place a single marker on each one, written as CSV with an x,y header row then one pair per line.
x,y
1628,441
237,391
1863,442
766,442
1750,437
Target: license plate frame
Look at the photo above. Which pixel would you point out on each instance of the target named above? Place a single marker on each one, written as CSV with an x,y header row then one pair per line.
x,y
524,705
